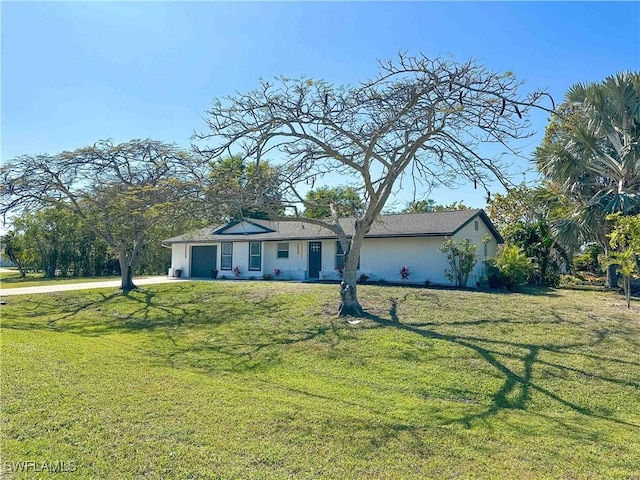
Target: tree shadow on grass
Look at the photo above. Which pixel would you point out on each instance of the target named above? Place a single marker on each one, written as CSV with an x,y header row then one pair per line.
x,y
516,389
190,326
97,313
248,350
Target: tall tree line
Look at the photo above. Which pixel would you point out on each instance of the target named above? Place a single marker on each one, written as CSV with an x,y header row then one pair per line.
x,y
58,243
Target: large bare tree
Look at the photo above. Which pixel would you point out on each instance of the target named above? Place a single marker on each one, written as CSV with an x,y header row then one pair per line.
x,y
121,191
420,120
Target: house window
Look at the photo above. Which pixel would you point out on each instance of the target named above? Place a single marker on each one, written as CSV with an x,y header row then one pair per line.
x,y
227,256
340,256
283,250
255,256
476,225
315,247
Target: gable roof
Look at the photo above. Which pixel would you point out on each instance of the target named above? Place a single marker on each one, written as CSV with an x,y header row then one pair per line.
x,y
430,224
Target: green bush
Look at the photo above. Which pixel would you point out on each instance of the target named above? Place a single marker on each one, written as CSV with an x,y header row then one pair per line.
x,y
492,271
514,266
510,269
462,257
588,261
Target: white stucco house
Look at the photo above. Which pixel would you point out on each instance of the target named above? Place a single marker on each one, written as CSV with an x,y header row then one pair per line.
x,y
303,251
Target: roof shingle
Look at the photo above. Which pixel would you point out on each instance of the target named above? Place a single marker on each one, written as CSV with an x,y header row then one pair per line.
x,y
443,223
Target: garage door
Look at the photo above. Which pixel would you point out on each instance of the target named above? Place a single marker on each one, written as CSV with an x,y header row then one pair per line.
x,y
203,260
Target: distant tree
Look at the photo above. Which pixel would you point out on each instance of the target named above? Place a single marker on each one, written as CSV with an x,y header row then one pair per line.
x,y
332,202
520,204
430,205
420,118
122,192
592,149
13,246
524,216
537,243
49,236
239,188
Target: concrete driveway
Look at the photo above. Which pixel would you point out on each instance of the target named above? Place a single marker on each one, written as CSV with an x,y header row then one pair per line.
x,y
84,286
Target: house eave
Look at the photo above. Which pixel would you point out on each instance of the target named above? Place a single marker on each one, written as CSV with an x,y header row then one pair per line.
x,y
299,239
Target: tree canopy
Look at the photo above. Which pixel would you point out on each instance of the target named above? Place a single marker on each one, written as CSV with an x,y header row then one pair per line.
x,y
419,121
120,191
332,202
240,188
430,205
591,149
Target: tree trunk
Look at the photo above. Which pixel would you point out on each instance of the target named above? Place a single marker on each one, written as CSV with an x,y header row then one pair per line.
x,y
612,270
128,265
627,290
126,274
612,277
349,304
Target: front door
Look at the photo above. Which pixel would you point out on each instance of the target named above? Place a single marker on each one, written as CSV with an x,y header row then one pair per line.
x,y
203,260
315,259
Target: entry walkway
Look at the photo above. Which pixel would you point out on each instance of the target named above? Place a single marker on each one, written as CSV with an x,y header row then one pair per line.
x,y
84,286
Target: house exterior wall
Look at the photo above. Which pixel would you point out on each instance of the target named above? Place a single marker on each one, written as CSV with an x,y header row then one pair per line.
x,y
380,258
476,237
180,259
294,267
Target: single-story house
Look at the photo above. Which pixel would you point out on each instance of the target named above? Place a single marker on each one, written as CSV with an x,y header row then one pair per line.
x,y
304,251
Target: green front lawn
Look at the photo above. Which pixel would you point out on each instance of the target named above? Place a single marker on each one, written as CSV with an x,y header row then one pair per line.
x,y
262,380
14,280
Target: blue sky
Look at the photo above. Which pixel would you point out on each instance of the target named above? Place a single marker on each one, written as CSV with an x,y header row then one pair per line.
x,y
74,73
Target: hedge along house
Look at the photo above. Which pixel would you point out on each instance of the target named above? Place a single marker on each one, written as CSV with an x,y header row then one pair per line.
x,y
303,251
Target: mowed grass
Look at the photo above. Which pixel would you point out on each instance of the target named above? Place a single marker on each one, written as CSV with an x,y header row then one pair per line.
x,y
14,280
262,380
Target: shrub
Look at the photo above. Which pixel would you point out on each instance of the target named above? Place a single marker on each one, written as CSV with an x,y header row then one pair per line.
x,y
277,272
267,276
462,257
363,278
237,272
588,261
514,266
404,273
491,270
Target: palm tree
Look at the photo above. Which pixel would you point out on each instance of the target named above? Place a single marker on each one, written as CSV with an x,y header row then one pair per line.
x,y
592,150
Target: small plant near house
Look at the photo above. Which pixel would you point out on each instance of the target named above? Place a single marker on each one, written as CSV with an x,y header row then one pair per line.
x,y
363,278
267,276
277,272
462,257
340,271
511,268
427,283
404,273
237,272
